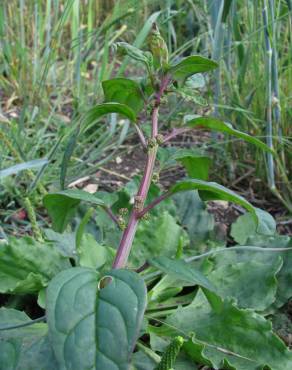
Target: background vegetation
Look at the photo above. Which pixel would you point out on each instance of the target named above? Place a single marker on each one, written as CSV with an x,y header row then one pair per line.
x,y
55,53
92,255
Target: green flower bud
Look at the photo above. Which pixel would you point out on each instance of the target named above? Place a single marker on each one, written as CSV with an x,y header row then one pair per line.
x,y
158,48
155,177
121,223
145,217
152,143
123,211
159,139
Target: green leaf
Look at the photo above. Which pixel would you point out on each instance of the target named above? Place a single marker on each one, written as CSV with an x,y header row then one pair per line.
x,y
245,227
193,216
68,152
251,283
213,191
133,52
13,170
65,243
62,206
93,328
143,362
101,110
284,277
164,240
191,65
228,337
140,38
196,165
180,270
215,124
26,347
226,10
124,91
26,266
94,255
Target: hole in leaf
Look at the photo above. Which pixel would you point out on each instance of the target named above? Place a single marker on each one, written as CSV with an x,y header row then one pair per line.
x,y
104,282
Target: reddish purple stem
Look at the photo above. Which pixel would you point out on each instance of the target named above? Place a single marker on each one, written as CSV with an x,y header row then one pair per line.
x,y
153,204
129,233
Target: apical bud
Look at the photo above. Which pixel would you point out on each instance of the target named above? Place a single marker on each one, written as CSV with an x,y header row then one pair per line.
x,y
158,48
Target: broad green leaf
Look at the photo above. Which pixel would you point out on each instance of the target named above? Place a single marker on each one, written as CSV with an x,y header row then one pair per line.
x,y
9,353
180,270
94,255
253,284
284,277
165,289
215,124
92,328
245,226
26,347
196,165
108,198
124,91
228,337
213,191
26,266
65,243
101,110
193,216
142,362
191,65
164,241
197,81
62,206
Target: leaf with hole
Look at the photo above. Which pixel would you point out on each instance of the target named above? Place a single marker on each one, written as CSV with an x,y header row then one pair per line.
x,y
95,327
